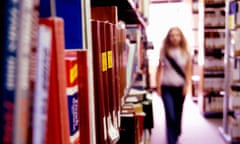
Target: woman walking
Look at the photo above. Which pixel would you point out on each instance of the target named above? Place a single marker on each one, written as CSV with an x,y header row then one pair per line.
x,y
174,80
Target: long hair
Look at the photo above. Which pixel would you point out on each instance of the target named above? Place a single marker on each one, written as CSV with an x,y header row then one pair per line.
x,y
167,44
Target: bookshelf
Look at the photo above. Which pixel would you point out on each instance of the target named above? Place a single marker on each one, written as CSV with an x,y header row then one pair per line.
x,y
231,123
130,20
50,84
127,10
214,51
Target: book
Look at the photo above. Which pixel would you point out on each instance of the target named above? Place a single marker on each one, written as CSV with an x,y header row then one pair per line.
x,y
42,82
105,13
72,91
57,123
113,129
33,65
71,12
116,76
9,44
22,100
99,67
83,98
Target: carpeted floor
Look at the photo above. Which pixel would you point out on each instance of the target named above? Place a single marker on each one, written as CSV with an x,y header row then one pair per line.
x,y
196,129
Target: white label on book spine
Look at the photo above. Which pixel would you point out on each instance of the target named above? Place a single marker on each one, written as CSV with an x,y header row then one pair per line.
x,y
42,83
105,128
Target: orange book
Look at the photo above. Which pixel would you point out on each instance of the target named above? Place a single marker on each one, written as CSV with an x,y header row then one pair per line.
x,y
83,98
57,123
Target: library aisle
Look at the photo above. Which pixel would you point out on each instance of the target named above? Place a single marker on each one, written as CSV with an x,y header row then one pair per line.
x,y
196,128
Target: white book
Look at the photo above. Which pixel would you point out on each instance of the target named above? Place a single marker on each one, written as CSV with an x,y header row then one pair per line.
x,y
21,110
42,85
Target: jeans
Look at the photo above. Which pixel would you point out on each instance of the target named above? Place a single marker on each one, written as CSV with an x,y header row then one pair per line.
x,y
173,100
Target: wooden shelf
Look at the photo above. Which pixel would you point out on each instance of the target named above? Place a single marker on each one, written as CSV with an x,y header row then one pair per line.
x,y
127,12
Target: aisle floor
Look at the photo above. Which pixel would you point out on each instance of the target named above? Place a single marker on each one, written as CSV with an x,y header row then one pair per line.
x,y
196,129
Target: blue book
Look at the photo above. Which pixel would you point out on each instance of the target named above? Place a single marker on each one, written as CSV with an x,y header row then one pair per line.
x,y
71,12
8,68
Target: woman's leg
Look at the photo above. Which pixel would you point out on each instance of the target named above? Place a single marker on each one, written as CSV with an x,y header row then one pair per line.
x,y
178,100
171,117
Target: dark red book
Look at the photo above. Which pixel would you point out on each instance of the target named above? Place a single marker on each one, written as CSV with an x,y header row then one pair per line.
x,y
105,73
100,66
116,79
83,98
106,13
57,123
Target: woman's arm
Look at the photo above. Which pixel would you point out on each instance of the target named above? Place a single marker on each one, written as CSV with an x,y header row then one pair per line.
x,y
188,83
158,78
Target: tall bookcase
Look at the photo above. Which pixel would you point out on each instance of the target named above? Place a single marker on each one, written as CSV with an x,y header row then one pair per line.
x,y
121,15
231,121
213,73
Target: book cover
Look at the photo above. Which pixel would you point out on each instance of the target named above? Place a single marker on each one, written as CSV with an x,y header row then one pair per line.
x,y
99,95
57,122
72,91
83,98
10,19
42,82
22,101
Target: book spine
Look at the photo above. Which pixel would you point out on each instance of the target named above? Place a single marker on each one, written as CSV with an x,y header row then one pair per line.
x,y
83,98
103,38
9,68
99,67
33,65
57,124
72,95
21,110
42,83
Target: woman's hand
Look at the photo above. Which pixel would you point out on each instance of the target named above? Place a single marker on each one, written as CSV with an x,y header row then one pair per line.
x,y
158,91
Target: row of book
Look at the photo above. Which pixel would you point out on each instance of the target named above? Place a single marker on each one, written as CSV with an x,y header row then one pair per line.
x,y
109,72
44,73
42,84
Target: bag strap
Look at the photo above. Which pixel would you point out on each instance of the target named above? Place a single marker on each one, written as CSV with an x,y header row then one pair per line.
x,y
175,66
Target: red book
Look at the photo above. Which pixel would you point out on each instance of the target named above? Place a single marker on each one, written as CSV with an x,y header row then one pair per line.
x,y
83,104
57,123
113,128
105,71
72,91
100,66
116,76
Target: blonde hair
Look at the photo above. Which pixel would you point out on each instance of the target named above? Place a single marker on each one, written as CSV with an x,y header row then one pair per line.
x,y
167,44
